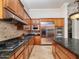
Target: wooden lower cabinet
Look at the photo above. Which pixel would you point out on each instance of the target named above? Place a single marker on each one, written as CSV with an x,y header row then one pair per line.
x,y
12,57
21,56
37,40
53,47
62,53
19,51
69,54
24,51
57,56
31,44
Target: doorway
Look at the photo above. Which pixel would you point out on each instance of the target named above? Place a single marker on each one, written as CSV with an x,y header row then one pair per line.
x,y
69,28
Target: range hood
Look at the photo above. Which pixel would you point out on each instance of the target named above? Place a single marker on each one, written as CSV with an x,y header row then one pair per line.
x,y
15,21
10,17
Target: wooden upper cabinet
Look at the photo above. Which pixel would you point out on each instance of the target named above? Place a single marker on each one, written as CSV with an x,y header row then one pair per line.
x,y
59,22
15,7
11,5
20,10
1,9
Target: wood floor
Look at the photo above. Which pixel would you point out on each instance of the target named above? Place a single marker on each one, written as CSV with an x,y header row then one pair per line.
x,y
41,52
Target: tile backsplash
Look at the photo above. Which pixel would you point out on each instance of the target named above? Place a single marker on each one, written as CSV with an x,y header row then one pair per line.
x,y
8,31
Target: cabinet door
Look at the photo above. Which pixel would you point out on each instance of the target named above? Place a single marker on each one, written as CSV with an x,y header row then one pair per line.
x,y
61,54
37,40
12,57
31,42
26,53
71,55
19,51
57,57
20,10
25,17
60,22
21,56
11,5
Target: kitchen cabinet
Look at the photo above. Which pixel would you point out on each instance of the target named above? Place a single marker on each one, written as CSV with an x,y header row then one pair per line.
x,y
26,52
12,57
56,56
61,52
21,56
37,40
71,56
1,9
19,51
59,22
20,10
14,7
11,5
31,44
7,14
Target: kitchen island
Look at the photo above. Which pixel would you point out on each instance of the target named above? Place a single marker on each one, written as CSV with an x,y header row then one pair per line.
x,y
66,49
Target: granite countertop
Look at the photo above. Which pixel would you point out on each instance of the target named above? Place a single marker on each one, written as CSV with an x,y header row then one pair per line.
x,y
71,44
7,48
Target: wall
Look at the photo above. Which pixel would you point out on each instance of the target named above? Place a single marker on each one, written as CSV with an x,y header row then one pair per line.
x,y
75,29
65,7
8,31
25,6
46,13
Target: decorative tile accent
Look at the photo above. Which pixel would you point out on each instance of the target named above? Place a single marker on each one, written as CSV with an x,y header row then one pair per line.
x,y
8,31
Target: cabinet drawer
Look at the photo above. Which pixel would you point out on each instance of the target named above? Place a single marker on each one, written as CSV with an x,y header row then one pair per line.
x,y
37,40
26,53
19,51
69,54
61,54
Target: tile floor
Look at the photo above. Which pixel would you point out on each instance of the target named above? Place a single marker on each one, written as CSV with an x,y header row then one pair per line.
x,y
42,52
46,41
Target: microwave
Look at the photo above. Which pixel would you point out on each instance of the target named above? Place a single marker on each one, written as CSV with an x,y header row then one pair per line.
x,y
35,27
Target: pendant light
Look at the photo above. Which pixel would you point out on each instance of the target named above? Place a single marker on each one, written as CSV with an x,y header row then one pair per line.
x,y
75,15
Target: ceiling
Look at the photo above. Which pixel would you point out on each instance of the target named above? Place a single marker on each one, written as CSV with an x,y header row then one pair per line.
x,y
44,4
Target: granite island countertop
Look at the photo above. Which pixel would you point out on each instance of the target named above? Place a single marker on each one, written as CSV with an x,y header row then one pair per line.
x,y
71,44
8,48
